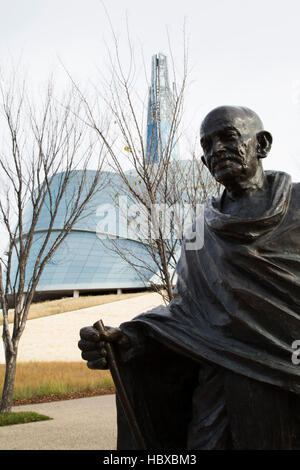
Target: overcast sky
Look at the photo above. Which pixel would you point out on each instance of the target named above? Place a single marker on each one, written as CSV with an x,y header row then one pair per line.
x,y
241,52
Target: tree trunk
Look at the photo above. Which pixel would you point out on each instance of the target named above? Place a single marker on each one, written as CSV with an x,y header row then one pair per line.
x,y
9,381
165,268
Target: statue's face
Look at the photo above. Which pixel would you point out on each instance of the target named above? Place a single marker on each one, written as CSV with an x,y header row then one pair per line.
x,y
229,143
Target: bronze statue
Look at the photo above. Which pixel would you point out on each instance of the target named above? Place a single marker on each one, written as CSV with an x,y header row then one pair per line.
x,y
214,369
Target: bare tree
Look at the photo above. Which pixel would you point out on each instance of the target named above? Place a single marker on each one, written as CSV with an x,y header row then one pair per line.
x,y
158,229
43,148
157,176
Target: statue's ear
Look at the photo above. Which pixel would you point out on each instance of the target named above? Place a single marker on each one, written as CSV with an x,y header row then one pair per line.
x,y
203,161
264,143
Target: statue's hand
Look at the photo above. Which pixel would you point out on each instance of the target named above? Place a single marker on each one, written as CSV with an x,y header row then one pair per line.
x,y
93,345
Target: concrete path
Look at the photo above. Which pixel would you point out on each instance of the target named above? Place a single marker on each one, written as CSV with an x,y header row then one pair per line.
x,y
55,338
81,424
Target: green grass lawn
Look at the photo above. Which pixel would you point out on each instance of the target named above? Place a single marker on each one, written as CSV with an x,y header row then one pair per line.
x,y
21,417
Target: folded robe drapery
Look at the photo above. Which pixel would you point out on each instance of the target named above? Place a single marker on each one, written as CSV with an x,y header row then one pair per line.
x,y
238,302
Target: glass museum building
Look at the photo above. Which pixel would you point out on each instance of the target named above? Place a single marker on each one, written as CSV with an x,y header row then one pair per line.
x,y
90,258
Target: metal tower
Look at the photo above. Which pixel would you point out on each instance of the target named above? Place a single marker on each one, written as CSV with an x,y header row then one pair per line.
x,y
160,112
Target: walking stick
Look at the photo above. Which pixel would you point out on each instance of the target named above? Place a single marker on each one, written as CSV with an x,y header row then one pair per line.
x,y
121,391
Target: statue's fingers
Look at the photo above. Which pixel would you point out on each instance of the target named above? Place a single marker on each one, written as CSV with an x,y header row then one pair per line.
x,y
89,333
98,364
111,334
91,355
85,345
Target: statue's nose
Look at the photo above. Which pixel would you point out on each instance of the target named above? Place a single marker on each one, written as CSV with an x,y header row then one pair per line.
x,y
216,148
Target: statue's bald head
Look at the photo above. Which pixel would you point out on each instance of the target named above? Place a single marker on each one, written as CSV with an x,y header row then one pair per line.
x,y
244,117
234,142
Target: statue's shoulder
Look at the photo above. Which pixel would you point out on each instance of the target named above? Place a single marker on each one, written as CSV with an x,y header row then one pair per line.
x,y
296,187
282,181
296,193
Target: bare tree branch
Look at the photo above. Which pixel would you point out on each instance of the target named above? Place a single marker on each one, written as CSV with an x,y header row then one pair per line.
x,y
44,170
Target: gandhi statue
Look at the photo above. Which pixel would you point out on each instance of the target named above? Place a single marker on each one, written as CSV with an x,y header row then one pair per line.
x,y
214,368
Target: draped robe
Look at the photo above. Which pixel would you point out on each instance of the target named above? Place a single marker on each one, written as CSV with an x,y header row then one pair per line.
x,y
237,308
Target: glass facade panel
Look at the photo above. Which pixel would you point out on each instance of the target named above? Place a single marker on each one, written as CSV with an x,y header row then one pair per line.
x,y
83,261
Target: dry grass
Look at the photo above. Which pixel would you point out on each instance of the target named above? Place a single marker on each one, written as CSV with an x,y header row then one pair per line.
x,y
67,304
38,379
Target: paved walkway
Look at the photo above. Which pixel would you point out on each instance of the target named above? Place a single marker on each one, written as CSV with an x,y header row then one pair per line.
x,y
55,338
80,424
